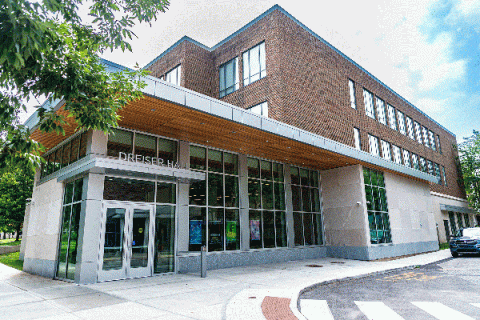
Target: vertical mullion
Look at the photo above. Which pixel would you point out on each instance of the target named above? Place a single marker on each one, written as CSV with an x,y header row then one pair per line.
x,y
206,199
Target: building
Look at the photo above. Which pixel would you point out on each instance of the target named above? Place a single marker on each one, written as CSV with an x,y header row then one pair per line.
x,y
270,146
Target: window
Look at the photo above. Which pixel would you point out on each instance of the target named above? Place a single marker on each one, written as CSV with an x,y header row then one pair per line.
x,y
431,136
430,167
460,221
373,143
266,194
353,99
307,218
260,109
386,152
228,77
418,132
415,164
406,158
391,117
401,122
467,220
397,155
381,111
425,136
173,76
423,164
411,133
436,167
214,217
438,144
377,206
453,225
357,139
254,64
444,176
368,100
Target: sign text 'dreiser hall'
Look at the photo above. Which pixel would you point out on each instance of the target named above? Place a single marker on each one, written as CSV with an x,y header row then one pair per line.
x,y
138,158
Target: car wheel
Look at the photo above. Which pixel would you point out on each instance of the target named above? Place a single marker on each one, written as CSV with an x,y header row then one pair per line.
x,y
455,254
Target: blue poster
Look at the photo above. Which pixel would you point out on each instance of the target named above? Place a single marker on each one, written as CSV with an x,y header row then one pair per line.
x,y
196,231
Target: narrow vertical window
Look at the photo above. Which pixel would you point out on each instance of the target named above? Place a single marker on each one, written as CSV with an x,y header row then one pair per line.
x,y
410,131
415,161
353,100
386,152
373,143
228,77
430,167
381,111
397,155
368,100
418,132
254,67
438,144
173,76
444,176
401,122
431,137
358,141
423,164
406,158
425,137
436,167
392,120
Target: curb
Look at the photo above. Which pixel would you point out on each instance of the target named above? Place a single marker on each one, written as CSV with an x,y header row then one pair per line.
x,y
294,302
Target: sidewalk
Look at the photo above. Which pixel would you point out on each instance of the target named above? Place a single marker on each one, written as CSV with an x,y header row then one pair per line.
x,y
234,293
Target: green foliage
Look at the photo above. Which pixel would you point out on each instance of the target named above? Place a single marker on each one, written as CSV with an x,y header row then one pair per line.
x,y
15,188
9,242
444,246
469,155
47,50
12,260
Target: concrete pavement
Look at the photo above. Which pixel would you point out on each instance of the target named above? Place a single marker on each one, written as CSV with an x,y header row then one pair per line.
x,y
234,293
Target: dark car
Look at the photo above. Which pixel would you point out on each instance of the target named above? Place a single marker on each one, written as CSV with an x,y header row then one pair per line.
x,y
466,241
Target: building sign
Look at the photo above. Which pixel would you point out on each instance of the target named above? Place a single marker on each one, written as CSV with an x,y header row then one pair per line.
x,y
138,158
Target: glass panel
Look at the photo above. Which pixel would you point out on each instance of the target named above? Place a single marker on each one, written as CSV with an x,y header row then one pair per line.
x,y
268,229
140,234
215,190
304,177
215,229
231,191
231,163
198,158
315,200
78,190
75,149
166,193
266,168
145,145
73,245
308,230
232,229
83,145
254,64
253,168
298,228
215,161
317,229
278,172
366,176
68,197
267,195
295,177
113,246
63,250
281,228
128,190
279,196
196,231
119,141
254,198
296,198
167,150
164,254
306,203
255,230
198,193
380,180
314,179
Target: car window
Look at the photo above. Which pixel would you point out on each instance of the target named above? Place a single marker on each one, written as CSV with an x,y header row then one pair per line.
x,y
472,233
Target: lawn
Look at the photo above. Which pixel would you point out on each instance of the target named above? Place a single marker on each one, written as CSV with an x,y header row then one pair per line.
x,y
444,246
11,260
9,242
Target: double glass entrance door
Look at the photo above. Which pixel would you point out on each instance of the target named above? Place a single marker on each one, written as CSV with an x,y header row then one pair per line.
x,y
127,241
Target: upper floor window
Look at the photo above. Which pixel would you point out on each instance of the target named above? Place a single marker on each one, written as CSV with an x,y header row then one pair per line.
x,y
228,77
418,132
386,152
415,161
406,158
358,141
436,168
381,111
391,117
254,67
401,122
439,146
410,131
444,176
353,100
173,76
431,136
397,155
260,109
373,142
368,100
425,136
423,164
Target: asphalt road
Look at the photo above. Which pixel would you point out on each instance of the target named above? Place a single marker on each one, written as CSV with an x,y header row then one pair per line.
x,y
453,285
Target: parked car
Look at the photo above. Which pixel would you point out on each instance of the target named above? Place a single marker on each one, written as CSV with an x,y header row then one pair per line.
x,y
465,241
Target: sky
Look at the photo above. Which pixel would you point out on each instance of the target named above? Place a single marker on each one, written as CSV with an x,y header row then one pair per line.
x,y
428,51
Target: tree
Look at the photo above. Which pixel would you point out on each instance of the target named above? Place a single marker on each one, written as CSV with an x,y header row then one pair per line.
x,y
469,154
15,189
47,50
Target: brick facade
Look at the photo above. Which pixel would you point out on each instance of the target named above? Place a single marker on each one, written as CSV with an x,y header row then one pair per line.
x,y
306,86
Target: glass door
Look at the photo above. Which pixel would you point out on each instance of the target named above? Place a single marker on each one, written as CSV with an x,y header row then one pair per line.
x,y
127,245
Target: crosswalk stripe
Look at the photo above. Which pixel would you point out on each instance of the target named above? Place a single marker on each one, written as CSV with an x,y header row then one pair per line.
x,y
441,311
475,305
315,309
377,310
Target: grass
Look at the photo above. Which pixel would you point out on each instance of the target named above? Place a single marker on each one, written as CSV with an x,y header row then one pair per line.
x,y
12,260
444,246
9,242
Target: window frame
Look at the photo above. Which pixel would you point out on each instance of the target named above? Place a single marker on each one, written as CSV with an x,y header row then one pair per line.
x,y
236,83
178,74
246,61
369,103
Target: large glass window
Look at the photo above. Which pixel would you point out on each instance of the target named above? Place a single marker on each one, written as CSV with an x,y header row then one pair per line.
x,y
382,118
254,67
353,99
214,203
307,217
266,194
377,206
228,77
431,136
425,137
128,190
411,133
368,100
401,122
373,143
173,76
260,109
72,206
392,119
418,132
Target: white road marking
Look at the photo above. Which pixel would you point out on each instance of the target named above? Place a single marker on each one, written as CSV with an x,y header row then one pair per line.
x,y
315,309
377,310
441,311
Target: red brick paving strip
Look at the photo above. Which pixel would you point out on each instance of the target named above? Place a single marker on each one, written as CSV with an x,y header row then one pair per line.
x,y
274,308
